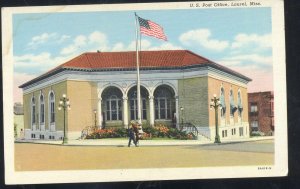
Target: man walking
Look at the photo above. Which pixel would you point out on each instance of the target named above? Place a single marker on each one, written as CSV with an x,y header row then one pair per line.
x,y
131,136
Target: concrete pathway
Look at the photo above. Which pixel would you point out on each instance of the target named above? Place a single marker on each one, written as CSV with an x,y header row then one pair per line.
x,y
124,142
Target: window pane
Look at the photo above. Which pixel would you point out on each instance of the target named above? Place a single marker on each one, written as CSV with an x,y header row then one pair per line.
x,y
42,113
162,114
132,115
107,115
107,106
132,102
113,105
113,115
162,104
156,114
144,114
120,115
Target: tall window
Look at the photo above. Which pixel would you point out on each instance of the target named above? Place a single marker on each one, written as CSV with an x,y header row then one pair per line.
x,y
42,109
163,104
223,104
133,105
232,105
33,111
52,107
113,108
253,107
254,125
240,105
134,109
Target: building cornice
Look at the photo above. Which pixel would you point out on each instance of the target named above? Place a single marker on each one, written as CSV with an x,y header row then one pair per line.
x,y
130,75
210,66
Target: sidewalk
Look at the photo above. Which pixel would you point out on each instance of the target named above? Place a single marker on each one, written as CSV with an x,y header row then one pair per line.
x,y
124,142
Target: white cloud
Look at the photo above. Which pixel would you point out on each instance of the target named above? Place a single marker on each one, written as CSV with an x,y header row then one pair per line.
x,y
255,60
166,46
40,39
246,40
146,45
63,38
202,37
39,63
92,42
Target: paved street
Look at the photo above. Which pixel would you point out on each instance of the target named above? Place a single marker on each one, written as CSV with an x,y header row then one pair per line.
x,y
39,157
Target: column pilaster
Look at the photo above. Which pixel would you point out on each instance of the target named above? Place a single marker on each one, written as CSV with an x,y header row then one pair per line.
x,y
100,112
177,111
125,112
151,107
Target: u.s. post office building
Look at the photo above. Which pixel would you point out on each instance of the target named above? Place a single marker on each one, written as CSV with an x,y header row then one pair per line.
x,y
176,87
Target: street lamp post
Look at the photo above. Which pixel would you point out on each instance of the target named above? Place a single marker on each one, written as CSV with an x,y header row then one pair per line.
x,y
215,103
95,113
64,104
181,109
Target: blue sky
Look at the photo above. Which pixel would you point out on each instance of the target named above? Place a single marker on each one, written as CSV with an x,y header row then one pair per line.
x,y
239,38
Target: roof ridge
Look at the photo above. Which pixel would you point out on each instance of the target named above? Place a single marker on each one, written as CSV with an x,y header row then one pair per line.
x,y
199,56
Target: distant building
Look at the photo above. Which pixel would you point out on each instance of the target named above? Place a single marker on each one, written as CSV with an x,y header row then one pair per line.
x,y
102,88
261,112
18,119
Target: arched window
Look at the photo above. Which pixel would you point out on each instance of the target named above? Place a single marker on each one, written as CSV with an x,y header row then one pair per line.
x,y
33,109
222,101
163,104
42,110
113,108
232,105
52,108
240,105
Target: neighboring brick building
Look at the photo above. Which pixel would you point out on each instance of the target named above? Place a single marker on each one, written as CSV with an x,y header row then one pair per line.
x,y
261,112
105,83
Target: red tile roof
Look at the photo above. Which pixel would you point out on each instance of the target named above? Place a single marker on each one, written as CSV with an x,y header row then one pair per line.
x,y
127,60
168,58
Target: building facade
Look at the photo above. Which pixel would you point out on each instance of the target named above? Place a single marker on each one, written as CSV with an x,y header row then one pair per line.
x,y
176,86
261,112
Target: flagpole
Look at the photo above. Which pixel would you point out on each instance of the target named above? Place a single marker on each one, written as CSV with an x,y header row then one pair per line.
x,y
138,72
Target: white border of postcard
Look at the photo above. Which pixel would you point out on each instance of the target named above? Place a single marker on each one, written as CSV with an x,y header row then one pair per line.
x,y
280,168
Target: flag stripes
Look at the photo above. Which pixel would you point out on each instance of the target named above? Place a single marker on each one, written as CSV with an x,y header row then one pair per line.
x,y
147,27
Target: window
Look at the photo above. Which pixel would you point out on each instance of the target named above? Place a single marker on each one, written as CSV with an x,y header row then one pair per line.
x,y
113,108
240,105
134,109
254,125
232,131
42,110
163,104
253,107
222,101
232,105
33,111
52,107
241,131
272,107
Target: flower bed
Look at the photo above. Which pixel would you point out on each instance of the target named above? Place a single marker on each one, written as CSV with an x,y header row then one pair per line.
x,y
158,131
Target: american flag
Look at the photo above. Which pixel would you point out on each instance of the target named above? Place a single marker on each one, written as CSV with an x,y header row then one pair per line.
x,y
150,28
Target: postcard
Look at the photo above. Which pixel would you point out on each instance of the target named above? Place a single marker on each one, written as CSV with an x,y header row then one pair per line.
x,y
147,91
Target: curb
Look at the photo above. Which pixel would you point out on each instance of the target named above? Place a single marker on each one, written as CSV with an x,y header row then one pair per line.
x,y
121,143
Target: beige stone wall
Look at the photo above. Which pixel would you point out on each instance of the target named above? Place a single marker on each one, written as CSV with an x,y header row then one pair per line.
x,y
83,100
58,90
215,88
193,98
